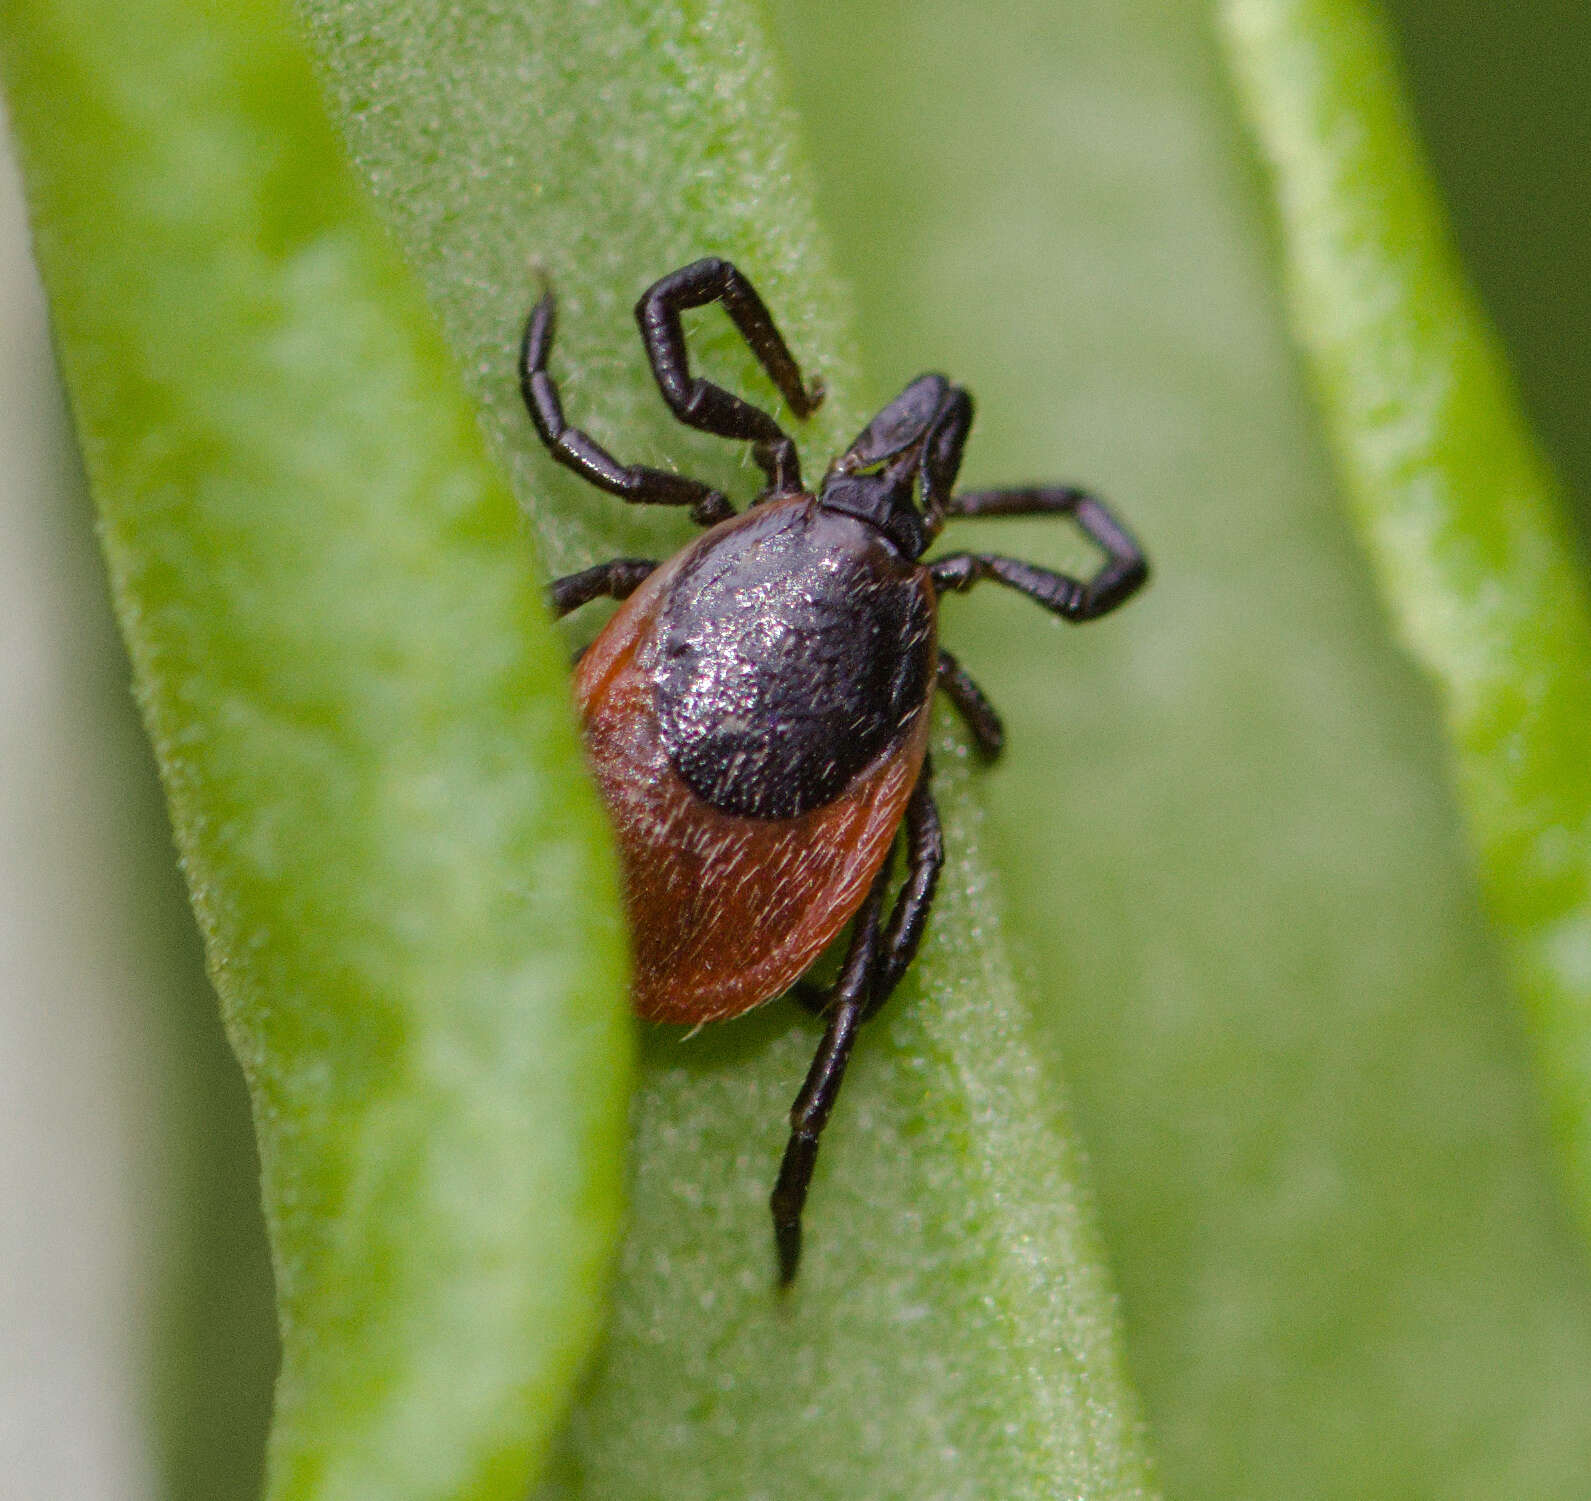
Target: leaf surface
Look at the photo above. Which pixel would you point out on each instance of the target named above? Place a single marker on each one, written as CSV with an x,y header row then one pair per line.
x,y
360,714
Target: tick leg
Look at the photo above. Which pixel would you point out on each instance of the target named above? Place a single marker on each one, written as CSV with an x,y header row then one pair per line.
x,y
873,967
925,856
616,580
810,1113
1122,574
980,715
701,404
579,452
814,999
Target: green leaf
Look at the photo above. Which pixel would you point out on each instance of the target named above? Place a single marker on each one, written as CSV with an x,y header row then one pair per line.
x,y
951,1333
361,719
1224,821
1452,499
112,1042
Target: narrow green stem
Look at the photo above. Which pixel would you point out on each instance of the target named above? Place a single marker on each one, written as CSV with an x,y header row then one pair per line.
x,y
1461,518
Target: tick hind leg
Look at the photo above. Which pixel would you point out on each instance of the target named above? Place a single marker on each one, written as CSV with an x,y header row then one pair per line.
x,y
810,1112
701,404
578,451
925,858
874,963
1118,578
980,715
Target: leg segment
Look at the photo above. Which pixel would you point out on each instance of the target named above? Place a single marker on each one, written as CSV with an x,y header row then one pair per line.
x,y
1124,572
593,463
982,719
1120,576
874,963
1026,500
925,855
701,404
616,580
810,1113
1059,593
897,946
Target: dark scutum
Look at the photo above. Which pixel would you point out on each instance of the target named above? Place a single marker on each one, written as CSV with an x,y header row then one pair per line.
x,y
795,649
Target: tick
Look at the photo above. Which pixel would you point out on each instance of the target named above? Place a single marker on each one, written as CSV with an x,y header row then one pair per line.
x,y
756,711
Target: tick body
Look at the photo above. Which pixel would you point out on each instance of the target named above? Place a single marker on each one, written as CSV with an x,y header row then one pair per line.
x,y
757,709
757,714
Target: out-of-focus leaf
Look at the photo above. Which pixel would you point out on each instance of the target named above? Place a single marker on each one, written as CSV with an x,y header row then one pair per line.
x,y
1458,512
135,1221
361,720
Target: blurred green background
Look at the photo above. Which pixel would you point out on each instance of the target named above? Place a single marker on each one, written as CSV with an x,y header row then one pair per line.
x,y
1505,104
1230,861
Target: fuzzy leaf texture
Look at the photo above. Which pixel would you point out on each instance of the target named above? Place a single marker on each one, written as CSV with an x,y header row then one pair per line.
x,y
1464,523
361,718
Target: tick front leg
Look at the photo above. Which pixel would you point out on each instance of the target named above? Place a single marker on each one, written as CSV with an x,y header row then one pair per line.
x,y
616,580
980,715
1122,574
701,404
815,1102
577,451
